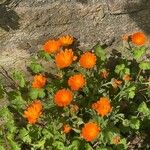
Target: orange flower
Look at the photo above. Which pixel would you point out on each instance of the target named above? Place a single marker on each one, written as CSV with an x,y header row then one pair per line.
x,y
127,77
52,46
66,128
87,60
90,131
104,74
116,139
66,40
76,82
63,97
116,83
64,58
138,38
33,112
39,81
102,106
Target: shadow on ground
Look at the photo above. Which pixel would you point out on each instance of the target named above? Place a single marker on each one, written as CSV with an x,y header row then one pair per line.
x,y
140,14
8,17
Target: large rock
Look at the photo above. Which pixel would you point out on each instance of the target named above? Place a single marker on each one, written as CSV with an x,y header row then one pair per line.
x,y
26,25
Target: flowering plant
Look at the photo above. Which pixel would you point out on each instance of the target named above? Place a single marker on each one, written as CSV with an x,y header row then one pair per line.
x,y
77,100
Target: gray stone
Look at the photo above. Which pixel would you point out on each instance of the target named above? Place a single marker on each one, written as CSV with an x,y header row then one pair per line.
x,y
25,25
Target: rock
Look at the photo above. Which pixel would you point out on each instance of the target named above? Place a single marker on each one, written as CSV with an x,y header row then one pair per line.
x,y
25,25
127,6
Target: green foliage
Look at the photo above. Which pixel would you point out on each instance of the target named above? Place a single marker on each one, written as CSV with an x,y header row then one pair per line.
x,y
36,93
44,55
19,77
138,53
100,52
36,67
59,145
16,99
145,65
134,122
75,144
130,91
24,135
25,124
122,70
144,109
1,91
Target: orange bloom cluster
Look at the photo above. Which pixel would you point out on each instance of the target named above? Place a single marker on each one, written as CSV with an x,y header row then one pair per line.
x,y
116,83
102,106
127,77
90,131
87,60
39,81
66,128
52,46
76,82
63,97
33,112
104,74
138,38
66,40
64,58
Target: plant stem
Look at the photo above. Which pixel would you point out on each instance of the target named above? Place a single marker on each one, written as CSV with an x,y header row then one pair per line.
x,y
108,83
138,74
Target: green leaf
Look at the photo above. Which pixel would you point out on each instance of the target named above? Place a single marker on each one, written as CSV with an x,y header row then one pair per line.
x,y
39,144
36,93
122,70
33,93
139,52
41,93
134,122
2,147
19,77
74,145
24,135
144,109
1,91
44,55
16,99
145,65
130,91
58,145
87,146
46,133
104,148
124,143
126,122
13,144
119,68
100,52
36,67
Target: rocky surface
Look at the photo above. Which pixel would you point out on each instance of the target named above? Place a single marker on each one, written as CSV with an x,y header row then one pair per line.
x,y
25,25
